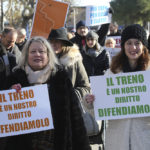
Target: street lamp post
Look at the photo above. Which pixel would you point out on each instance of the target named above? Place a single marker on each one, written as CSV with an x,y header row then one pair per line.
x,y
74,18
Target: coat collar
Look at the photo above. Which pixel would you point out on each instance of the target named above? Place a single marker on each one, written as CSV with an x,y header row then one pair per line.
x,y
71,57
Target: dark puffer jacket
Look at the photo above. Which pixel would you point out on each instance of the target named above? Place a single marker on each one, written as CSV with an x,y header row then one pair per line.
x,y
69,130
96,65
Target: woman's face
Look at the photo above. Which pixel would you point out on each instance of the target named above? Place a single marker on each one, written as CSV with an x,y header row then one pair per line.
x,y
90,42
110,44
133,49
37,57
56,45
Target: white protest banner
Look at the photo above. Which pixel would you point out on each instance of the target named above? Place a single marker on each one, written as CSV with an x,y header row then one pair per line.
x,y
124,95
98,14
25,112
112,51
84,3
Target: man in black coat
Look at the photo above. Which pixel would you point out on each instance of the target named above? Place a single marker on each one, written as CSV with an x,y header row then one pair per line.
x,y
7,62
8,39
113,29
81,32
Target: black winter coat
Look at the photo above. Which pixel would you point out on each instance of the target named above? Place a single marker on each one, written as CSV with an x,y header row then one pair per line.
x,y
5,64
69,129
96,65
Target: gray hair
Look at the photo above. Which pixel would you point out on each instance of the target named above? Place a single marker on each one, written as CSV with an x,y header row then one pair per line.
x,y
21,31
53,61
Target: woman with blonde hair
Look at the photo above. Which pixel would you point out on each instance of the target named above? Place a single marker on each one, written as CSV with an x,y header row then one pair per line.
x,y
42,42
39,65
110,42
70,58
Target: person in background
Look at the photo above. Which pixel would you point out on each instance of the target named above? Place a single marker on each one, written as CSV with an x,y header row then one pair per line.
x,y
21,38
7,59
71,59
69,35
81,32
7,63
95,59
73,32
131,133
39,65
113,30
8,39
110,42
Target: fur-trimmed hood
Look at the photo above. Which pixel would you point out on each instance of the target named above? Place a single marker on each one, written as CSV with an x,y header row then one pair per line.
x,y
71,57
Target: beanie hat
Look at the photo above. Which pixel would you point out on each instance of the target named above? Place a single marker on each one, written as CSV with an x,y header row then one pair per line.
x,y
80,23
134,31
93,35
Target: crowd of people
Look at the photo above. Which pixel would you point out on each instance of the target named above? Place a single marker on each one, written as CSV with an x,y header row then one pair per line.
x,y
65,61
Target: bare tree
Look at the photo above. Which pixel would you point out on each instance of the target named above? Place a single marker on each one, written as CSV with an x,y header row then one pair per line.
x,y
19,12
2,23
